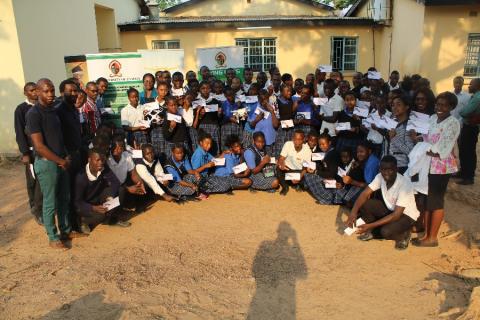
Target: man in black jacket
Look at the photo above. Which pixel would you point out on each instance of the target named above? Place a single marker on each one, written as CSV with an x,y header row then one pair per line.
x,y
26,149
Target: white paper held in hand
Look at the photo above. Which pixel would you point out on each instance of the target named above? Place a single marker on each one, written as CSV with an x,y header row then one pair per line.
x,y
177,92
293,176
330,183
304,115
107,111
211,108
318,156
343,126
137,154
287,124
251,99
219,162
174,117
325,68
166,177
361,112
112,203
310,165
341,173
242,167
273,160
320,101
349,231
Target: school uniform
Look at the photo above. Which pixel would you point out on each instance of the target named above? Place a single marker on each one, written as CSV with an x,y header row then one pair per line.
x,y
247,136
326,169
334,104
305,111
265,178
228,127
400,146
246,87
45,120
265,125
92,190
210,183
226,171
151,174
131,117
144,99
376,138
347,139
156,117
293,160
179,171
25,147
401,194
175,136
285,110
210,123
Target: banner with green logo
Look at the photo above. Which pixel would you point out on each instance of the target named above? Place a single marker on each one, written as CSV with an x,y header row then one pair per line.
x,y
219,59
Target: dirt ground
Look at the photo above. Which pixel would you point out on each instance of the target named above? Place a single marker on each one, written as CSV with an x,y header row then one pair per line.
x,y
255,256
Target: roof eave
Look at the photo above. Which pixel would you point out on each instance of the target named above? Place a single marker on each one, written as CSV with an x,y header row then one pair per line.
x,y
154,26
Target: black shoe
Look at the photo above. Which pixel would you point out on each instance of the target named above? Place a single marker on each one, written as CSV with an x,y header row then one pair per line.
x,y
403,244
39,220
121,224
367,236
284,191
252,190
84,228
298,188
465,182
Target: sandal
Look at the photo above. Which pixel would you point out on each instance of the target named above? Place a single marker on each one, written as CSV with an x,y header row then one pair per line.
x,y
425,244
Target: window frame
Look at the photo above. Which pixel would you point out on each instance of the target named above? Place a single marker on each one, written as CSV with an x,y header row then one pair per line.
x,y
332,53
469,55
246,52
166,44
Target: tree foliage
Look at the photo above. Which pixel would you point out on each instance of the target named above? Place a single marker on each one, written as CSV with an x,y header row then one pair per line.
x,y
167,3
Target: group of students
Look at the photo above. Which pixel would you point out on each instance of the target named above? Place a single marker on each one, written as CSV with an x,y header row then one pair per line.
x,y
382,148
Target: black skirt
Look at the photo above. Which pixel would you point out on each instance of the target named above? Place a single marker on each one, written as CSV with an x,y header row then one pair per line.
x,y
437,186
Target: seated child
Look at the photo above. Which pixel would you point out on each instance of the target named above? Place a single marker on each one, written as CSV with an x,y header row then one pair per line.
x,y
312,141
391,212
232,159
262,171
151,172
291,159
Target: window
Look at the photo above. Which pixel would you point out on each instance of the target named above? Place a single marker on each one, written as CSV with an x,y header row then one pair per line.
x,y
472,58
344,54
165,44
259,54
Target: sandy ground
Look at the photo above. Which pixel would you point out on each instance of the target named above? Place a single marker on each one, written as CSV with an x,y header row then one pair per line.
x,y
255,256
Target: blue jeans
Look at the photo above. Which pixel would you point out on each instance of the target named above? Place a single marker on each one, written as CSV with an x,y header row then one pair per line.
x,y
55,186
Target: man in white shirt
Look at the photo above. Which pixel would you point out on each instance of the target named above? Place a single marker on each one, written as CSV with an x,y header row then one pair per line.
x,y
390,213
462,96
330,111
291,159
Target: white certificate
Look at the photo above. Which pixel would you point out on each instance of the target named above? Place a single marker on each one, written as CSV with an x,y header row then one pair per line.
x,y
166,177
273,160
287,124
211,108
240,112
343,126
144,123
422,117
361,112
325,68
293,176
330,184
220,97
349,231
198,103
305,115
417,127
251,99
363,104
240,98
341,173
137,154
174,117
318,156
219,162
366,123
320,101
240,168
112,203
374,75
310,165
266,114
107,111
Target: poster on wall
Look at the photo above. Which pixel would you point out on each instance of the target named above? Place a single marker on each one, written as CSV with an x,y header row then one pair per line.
x,y
219,59
164,59
76,67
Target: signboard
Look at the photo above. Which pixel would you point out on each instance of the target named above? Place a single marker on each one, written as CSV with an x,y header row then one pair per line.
x,y
164,59
219,59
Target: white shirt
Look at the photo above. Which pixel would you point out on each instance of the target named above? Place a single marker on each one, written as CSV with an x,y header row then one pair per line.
x,y
246,87
400,194
373,135
393,88
320,90
150,180
131,116
90,175
121,168
293,159
334,104
188,115
463,98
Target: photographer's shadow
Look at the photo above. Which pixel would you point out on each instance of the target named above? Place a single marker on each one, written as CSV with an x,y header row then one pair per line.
x,y
276,267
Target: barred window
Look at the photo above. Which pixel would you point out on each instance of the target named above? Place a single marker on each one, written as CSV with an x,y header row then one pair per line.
x,y
472,57
165,44
344,55
259,54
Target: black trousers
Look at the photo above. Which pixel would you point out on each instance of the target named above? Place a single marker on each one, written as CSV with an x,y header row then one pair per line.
x,y
75,167
281,177
93,218
35,197
468,151
375,209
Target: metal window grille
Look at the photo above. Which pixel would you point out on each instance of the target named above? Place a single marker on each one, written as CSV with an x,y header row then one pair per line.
x,y
344,53
259,54
165,44
472,56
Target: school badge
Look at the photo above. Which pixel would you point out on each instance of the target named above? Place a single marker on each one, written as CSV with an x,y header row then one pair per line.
x,y
115,66
221,59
